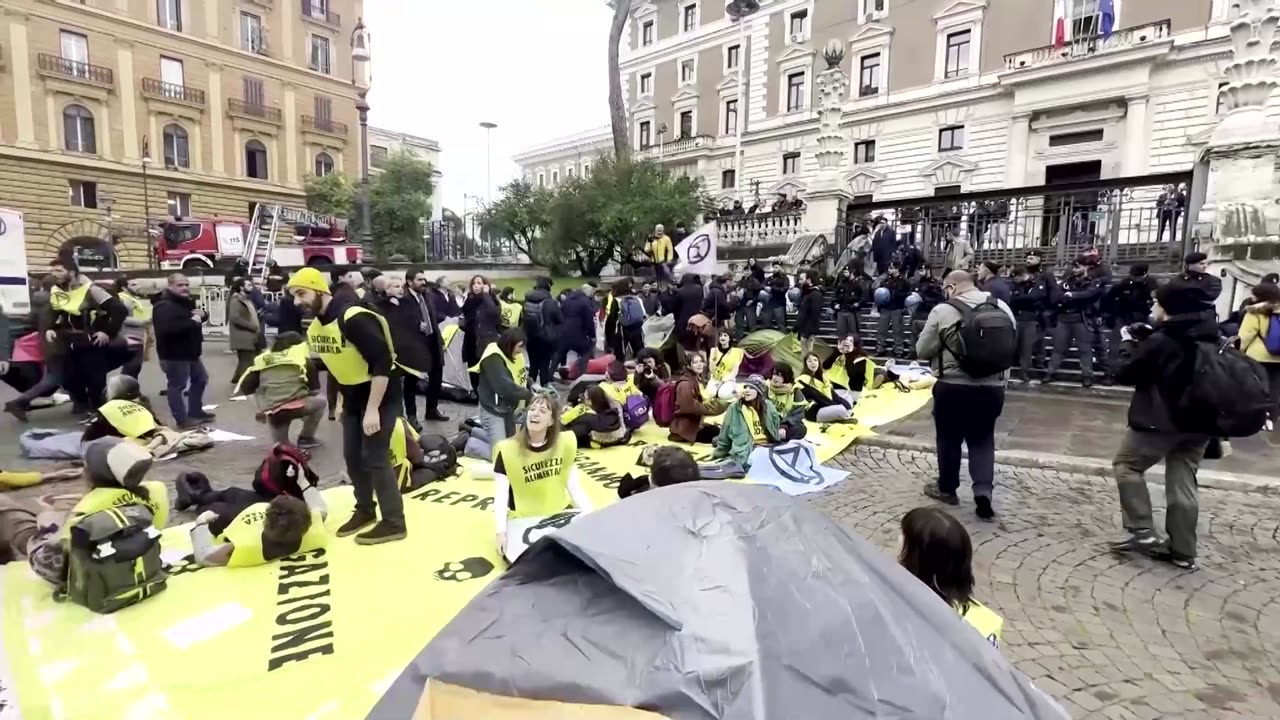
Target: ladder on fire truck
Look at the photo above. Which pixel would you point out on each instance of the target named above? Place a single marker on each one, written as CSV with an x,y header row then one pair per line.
x,y
262,239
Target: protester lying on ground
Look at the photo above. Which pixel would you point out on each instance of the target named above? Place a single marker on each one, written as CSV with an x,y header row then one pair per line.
x,y
503,386
26,523
936,548
116,470
725,358
825,405
849,369
284,383
750,421
533,472
600,423
671,466
688,422
13,479
125,414
418,459
236,528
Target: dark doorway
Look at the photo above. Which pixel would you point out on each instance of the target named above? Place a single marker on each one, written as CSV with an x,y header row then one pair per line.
x,y
1086,171
1069,218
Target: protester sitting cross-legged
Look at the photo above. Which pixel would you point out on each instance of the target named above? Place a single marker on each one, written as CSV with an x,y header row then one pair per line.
x,y
688,422
725,359
937,549
788,398
503,387
751,420
236,527
285,385
533,472
849,370
971,341
1160,365
825,405
650,373
670,466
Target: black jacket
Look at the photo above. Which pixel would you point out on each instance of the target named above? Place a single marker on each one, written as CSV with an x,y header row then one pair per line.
x,y
289,317
851,293
1029,299
1209,288
578,326
688,303
716,305
480,319
779,284
1129,300
179,337
809,312
552,318
403,317
899,288
1160,368
931,296
1077,298
1000,287
884,245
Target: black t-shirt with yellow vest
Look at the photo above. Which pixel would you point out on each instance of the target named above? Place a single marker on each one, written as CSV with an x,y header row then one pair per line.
x,y
354,343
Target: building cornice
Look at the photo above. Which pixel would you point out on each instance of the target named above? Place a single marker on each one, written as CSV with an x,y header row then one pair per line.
x,y
404,138
597,139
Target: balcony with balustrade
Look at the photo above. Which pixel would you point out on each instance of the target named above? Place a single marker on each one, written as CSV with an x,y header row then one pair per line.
x,y
325,126
1156,35
254,111
319,12
681,148
169,92
60,68
762,234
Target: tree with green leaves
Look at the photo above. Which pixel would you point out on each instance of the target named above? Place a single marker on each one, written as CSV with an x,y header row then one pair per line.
x,y
399,197
332,194
521,214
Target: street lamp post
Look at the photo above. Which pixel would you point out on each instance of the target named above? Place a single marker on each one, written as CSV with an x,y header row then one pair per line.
x,y
488,159
146,200
361,78
740,10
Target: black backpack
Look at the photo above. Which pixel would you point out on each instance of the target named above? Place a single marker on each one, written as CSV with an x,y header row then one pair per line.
x,y
1227,396
985,339
113,560
533,318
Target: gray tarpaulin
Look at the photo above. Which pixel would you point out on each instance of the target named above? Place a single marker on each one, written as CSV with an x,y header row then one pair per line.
x,y
720,600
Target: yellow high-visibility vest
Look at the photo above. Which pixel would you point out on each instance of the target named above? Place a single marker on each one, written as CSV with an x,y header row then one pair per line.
x,y
724,365
539,480
129,418
340,357
984,621
401,435
70,301
516,366
299,356
822,386
245,535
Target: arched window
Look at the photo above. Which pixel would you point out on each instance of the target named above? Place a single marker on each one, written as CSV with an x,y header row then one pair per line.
x,y
255,160
78,131
324,164
177,147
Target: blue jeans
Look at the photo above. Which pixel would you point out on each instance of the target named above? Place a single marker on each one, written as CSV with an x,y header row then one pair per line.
x,y
180,373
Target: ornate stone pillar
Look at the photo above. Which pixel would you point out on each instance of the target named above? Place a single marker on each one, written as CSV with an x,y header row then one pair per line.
x,y
1239,222
828,192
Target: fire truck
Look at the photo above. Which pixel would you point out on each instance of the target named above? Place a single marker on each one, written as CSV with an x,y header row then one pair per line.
x,y
292,238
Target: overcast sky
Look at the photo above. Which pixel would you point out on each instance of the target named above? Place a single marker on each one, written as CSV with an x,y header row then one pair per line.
x,y
537,68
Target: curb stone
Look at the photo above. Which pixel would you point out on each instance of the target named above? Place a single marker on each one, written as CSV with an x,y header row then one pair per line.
x,y
1234,482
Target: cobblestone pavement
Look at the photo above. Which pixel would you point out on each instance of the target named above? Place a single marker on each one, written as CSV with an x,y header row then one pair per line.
x,y
1110,637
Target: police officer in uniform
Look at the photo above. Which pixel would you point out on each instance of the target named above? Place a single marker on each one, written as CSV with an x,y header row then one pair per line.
x,y
354,343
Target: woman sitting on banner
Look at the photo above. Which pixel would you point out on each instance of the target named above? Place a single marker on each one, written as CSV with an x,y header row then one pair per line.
x,y
126,414
597,420
503,387
670,466
285,384
688,422
750,421
825,404
850,370
650,373
788,400
533,472
236,528
725,358
936,549
116,470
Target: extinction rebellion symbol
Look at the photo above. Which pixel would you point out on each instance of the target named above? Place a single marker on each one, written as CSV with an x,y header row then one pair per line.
x,y
795,462
698,249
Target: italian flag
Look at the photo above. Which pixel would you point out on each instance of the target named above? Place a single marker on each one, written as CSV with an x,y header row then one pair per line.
x,y
1061,30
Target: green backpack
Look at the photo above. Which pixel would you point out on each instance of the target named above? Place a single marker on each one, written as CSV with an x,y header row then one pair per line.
x,y
114,560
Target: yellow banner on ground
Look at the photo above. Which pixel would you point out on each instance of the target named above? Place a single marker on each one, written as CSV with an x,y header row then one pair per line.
x,y
316,636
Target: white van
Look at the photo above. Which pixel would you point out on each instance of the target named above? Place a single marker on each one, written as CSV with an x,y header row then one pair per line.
x,y
15,294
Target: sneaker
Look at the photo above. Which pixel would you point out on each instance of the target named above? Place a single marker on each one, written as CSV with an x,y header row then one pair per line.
x,y
306,443
358,522
20,412
931,491
1146,542
381,533
984,508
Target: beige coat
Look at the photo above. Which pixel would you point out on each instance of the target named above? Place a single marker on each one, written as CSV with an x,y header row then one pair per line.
x,y
242,323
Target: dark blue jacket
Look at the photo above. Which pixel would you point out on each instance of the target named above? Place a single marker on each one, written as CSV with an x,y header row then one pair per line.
x,y
578,329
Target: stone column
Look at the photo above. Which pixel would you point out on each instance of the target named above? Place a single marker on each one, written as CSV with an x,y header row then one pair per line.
x,y
20,56
828,192
1136,147
128,100
217,120
291,121
1015,172
1239,222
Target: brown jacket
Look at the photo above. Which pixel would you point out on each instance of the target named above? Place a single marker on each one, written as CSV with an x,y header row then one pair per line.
x,y
242,322
690,409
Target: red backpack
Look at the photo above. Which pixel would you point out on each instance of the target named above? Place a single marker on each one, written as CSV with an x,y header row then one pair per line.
x,y
280,470
664,404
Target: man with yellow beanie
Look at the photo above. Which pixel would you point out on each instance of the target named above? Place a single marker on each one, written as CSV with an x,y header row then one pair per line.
x,y
354,343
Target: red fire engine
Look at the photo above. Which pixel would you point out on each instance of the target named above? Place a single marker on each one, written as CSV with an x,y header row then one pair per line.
x,y
292,238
